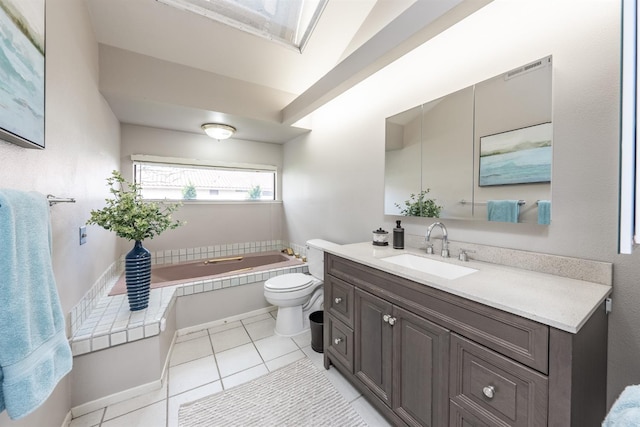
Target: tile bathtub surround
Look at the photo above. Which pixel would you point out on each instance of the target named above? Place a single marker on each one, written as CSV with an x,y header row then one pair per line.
x,y
109,322
218,358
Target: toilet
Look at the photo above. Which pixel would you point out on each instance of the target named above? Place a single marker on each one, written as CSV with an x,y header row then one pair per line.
x,y
297,294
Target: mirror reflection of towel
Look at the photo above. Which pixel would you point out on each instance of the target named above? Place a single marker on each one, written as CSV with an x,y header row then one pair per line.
x,y
503,210
544,212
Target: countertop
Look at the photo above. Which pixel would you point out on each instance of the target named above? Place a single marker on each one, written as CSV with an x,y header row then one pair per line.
x,y
560,302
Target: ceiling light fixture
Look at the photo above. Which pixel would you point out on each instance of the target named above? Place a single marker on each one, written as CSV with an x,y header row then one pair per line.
x,y
218,130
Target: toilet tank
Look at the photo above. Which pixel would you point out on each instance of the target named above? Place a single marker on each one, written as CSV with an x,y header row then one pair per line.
x,y
315,257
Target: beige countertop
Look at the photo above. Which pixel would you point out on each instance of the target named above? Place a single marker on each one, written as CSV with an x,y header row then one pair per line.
x,y
560,302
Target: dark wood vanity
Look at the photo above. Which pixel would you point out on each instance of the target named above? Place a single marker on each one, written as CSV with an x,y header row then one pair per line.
x,y
426,357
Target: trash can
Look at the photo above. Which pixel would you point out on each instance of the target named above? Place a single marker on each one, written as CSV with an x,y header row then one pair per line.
x,y
316,320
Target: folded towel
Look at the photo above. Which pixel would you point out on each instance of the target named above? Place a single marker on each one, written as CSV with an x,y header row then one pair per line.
x,y
34,350
503,210
544,212
625,410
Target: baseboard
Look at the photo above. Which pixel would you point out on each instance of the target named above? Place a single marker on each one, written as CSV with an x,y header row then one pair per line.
x,y
201,326
67,420
94,405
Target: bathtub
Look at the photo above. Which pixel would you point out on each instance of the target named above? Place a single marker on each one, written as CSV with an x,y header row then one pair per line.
x,y
212,268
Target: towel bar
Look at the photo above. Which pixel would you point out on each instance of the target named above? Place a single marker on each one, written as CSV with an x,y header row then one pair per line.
x,y
53,200
464,202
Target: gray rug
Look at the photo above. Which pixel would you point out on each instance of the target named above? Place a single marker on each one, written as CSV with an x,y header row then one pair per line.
x,y
298,394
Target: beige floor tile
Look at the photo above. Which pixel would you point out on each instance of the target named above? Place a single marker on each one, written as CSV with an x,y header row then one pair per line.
x,y
192,374
285,360
237,359
88,420
274,346
228,339
150,416
261,329
191,350
130,405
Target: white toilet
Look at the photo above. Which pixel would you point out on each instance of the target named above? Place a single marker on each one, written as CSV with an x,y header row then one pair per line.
x,y
296,294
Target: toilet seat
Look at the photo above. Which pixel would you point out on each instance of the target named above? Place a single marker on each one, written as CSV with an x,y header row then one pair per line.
x,y
289,282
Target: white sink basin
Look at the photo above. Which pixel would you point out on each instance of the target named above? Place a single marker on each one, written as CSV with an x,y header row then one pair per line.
x,y
430,266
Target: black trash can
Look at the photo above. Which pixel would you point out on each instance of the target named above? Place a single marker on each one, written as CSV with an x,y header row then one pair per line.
x,y
316,320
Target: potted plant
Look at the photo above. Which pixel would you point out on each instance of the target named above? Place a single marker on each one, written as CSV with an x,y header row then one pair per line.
x,y
420,206
134,219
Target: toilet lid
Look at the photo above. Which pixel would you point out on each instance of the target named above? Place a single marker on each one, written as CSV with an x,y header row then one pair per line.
x,y
289,282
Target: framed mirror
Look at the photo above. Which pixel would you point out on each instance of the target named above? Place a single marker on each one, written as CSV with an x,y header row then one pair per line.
x,y
480,149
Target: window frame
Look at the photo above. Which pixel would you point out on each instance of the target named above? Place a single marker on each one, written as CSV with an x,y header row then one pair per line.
x,y
629,209
186,162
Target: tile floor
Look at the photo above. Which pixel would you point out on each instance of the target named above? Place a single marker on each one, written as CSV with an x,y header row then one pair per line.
x,y
216,359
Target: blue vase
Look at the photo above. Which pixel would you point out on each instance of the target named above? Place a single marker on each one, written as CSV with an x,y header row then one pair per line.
x,y
137,269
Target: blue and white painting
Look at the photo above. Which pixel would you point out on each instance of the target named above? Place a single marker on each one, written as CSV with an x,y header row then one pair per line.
x,y
22,71
519,156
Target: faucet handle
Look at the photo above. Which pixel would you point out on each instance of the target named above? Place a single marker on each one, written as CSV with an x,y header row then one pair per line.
x,y
463,254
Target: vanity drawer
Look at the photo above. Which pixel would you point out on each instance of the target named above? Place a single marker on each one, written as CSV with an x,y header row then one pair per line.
x,y
496,389
340,343
339,299
520,339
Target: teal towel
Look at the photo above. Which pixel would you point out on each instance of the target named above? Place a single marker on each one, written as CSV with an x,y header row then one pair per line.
x,y
34,350
544,212
503,210
625,410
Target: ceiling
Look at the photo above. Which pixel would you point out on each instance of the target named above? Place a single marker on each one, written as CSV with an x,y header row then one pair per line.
x,y
172,69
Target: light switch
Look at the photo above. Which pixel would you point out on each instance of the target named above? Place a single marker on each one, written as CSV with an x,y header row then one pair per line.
x,y
83,235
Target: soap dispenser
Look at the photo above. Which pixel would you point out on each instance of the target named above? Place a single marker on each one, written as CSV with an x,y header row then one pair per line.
x,y
398,236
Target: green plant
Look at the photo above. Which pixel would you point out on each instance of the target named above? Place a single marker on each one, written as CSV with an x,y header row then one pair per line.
x,y
420,206
189,192
255,193
129,216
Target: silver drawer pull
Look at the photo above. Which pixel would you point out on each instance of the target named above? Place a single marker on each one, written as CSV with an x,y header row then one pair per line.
x,y
489,391
337,341
337,300
386,318
392,321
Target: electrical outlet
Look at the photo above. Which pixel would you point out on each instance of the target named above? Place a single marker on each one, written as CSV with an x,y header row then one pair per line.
x,y
83,235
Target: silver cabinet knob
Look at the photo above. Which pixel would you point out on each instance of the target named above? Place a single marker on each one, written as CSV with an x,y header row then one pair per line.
x,y
386,318
337,300
337,341
489,391
392,321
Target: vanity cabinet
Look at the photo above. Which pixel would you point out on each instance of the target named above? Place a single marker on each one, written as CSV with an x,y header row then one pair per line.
x,y
425,357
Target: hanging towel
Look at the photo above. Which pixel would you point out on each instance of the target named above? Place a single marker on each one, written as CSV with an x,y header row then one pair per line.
x,y
34,351
503,210
626,409
544,212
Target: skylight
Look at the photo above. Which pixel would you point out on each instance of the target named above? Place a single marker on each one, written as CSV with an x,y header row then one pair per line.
x,y
288,22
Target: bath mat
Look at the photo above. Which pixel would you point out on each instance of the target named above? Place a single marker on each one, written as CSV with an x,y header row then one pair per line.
x,y
298,394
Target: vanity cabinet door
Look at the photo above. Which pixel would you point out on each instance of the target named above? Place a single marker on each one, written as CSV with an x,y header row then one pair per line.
x,y
420,370
373,343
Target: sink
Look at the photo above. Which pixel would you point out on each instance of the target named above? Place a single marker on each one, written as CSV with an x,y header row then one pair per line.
x,y
430,266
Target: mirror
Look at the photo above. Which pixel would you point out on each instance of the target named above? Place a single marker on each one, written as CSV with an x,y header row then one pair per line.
x,y
482,149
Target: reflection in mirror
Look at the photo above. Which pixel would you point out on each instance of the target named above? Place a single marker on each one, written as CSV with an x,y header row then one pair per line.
x,y
447,155
403,150
514,110
437,147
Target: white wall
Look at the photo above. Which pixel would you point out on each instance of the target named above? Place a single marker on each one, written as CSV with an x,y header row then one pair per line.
x,y
207,223
82,146
333,177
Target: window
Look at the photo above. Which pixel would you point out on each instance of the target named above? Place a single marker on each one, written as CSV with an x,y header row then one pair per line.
x,y
630,133
288,22
182,181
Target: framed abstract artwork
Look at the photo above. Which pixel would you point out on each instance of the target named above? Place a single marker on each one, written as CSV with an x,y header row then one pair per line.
x,y
519,156
22,72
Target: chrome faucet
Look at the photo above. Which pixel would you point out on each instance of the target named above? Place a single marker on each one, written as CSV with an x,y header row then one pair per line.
x,y
445,240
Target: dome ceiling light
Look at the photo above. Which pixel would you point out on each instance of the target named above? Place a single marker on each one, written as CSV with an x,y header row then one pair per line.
x,y
218,130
